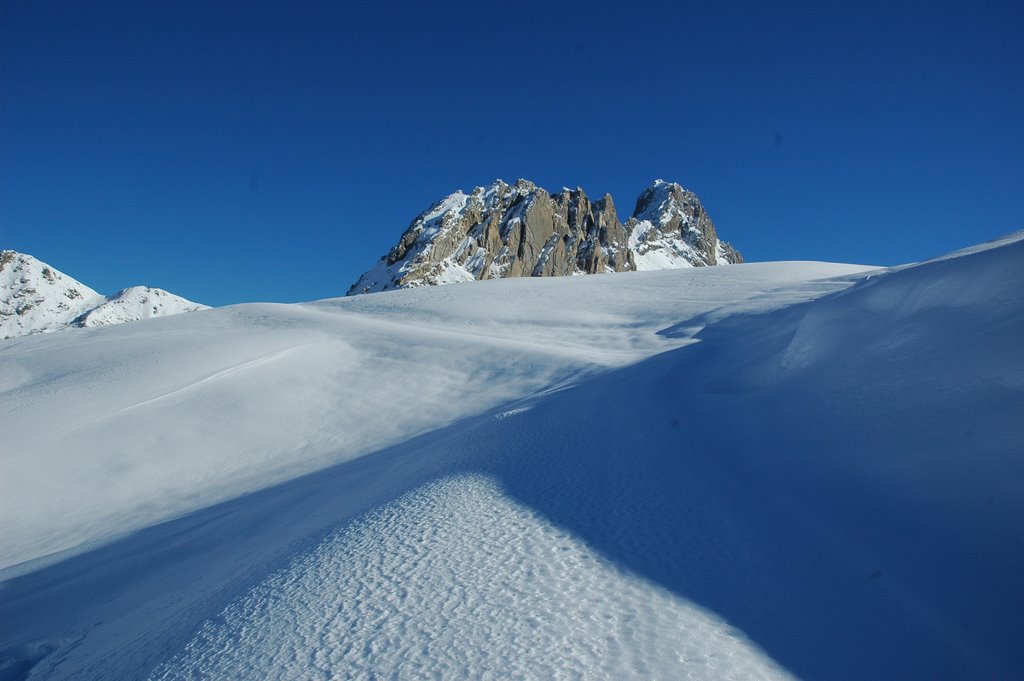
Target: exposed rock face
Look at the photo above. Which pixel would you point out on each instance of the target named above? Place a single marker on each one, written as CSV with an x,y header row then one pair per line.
x,y
521,230
36,298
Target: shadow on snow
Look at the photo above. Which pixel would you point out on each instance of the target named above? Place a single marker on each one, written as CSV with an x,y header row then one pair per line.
x,y
831,499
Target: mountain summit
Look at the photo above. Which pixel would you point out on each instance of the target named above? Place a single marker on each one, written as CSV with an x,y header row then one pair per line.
x,y
521,230
36,298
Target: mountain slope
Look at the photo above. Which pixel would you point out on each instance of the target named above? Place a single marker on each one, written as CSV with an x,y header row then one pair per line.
x,y
521,230
36,298
764,471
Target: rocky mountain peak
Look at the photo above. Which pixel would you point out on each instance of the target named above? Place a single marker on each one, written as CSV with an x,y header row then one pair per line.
x,y
522,230
670,222
523,186
660,197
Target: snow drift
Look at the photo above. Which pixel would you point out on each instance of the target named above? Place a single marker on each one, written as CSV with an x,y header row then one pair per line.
x,y
761,471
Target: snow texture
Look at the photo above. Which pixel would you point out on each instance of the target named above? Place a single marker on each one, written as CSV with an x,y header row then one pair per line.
x,y
458,561
763,471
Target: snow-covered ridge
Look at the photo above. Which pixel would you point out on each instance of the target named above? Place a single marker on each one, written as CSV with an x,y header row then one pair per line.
x,y
521,230
37,298
134,303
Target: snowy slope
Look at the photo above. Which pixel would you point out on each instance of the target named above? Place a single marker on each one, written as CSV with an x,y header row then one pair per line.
x,y
653,475
134,303
36,298
181,402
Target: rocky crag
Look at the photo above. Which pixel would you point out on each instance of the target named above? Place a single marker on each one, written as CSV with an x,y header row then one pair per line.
x,y
522,230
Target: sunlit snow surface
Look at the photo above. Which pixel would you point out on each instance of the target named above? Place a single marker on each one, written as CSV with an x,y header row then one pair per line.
x,y
683,474
110,430
457,580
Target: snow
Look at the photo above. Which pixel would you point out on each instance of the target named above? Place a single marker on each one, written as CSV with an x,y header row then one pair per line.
x,y
720,254
662,208
36,298
657,250
769,470
453,203
653,250
545,253
426,263
432,225
135,303
143,399
559,611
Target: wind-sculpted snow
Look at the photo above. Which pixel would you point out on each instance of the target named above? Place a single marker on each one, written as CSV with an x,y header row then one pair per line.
x,y
756,471
113,429
457,580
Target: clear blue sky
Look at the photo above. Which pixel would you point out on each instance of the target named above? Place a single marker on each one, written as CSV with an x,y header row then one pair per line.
x,y
235,152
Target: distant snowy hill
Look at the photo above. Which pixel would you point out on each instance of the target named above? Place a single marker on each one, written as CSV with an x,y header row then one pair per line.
x,y
36,298
762,471
521,230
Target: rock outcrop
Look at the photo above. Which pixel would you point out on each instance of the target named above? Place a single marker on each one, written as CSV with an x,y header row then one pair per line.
x,y
521,230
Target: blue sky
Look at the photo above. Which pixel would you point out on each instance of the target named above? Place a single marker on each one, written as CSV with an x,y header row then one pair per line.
x,y
234,152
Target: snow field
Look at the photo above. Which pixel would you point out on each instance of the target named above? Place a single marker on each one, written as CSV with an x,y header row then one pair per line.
x,y
760,471
113,429
457,580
